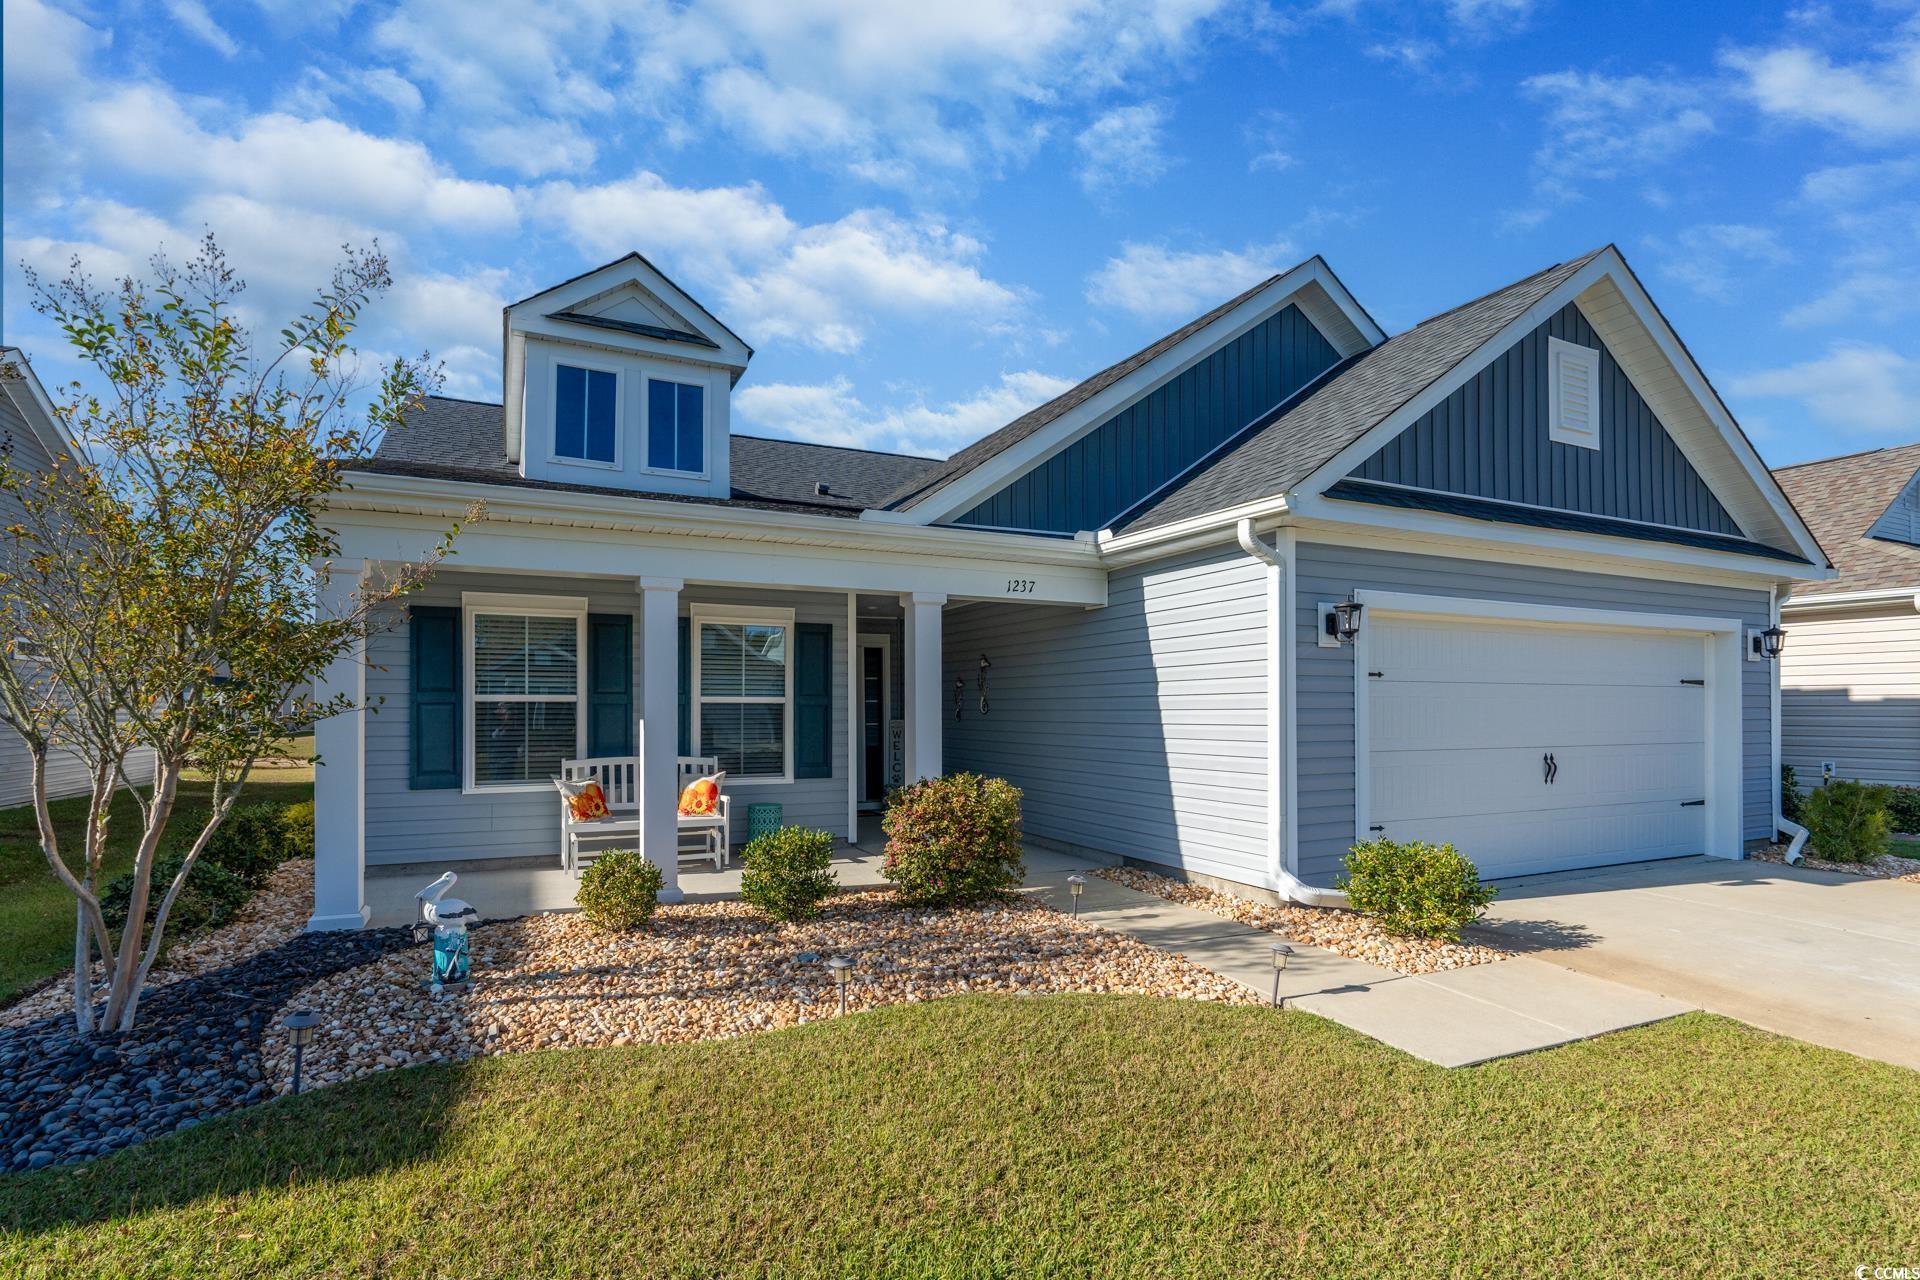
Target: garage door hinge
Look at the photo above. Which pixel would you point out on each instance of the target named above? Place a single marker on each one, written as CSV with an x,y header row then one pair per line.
x,y
1701,683
1691,804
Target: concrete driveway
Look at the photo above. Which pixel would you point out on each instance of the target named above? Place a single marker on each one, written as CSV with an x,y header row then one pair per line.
x,y
1828,958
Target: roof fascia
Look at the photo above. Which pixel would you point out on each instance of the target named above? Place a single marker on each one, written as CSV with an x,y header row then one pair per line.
x,y
42,418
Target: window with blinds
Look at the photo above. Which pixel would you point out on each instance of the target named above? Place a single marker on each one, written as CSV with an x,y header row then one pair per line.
x,y
526,696
744,687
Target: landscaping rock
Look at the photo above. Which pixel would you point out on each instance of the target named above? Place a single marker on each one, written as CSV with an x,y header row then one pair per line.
x,y
1888,866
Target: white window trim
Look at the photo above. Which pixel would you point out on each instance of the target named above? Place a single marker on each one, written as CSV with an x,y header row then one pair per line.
x,y
646,426
1558,351
586,360
741,615
474,603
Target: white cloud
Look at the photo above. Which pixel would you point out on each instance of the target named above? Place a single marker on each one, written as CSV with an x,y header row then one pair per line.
x,y
1874,100
534,149
1859,389
1711,259
1477,13
1602,127
1850,184
1156,283
46,52
198,23
830,413
712,229
1269,133
1122,148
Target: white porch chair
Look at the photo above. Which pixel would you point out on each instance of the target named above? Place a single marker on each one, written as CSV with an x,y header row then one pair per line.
x,y
701,838
708,834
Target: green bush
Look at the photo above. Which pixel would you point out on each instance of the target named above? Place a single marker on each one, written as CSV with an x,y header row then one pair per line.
x,y
619,891
250,842
1791,803
953,840
787,872
296,820
1415,889
1847,821
211,896
1903,809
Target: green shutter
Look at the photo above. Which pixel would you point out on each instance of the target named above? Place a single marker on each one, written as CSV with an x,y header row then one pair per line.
x,y
686,689
609,684
813,700
434,703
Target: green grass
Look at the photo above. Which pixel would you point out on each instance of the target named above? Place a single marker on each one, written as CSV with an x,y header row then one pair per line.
x,y
36,911
1067,1136
1905,848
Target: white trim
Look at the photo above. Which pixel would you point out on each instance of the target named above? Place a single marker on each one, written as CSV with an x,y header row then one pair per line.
x,y
556,359
853,703
1773,716
44,419
1852,599
1564,359
646,428
884,643
1724,729
474,603
700,615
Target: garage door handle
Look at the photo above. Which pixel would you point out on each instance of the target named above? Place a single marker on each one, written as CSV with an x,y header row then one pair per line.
x,y
1551,768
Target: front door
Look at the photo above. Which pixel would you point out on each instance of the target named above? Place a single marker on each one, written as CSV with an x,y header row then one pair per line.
x,y
873,723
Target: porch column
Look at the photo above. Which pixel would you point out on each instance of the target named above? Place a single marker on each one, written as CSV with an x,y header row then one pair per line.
x,y
660,729
340,779
923,671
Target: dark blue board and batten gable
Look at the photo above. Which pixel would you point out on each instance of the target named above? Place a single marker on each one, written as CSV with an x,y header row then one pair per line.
x,y
1163,433
1489,440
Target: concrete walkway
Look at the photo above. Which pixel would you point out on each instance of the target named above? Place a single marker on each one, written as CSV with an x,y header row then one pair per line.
x,y
1820,956
1454,1019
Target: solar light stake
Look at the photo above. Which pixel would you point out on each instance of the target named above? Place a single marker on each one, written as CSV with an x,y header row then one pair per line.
x,y
842,974
1076,885
300,1024
1280,953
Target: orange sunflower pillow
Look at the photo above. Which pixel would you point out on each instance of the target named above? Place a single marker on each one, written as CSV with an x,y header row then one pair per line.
x,y
588,803
700,799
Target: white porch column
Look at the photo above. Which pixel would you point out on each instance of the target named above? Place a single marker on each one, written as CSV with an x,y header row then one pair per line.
x,y
660,729
923,671
340,779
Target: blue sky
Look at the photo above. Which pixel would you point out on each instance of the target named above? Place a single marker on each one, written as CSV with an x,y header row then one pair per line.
x,y
927,218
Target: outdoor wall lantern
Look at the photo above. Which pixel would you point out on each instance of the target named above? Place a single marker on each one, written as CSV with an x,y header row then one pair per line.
x,y
1343,620
1771,641
842,969
1076,885
1281,952
300,1024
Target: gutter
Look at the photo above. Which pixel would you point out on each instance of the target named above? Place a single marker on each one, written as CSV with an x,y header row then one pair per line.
x,y
1282,820
1852,599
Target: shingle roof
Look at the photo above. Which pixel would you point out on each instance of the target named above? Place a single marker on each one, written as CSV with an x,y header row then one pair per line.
x,y
1280,452
1034,419
462,440
1840,499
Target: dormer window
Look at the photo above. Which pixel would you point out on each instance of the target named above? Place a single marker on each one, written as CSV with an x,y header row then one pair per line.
x,y
676,427
586,415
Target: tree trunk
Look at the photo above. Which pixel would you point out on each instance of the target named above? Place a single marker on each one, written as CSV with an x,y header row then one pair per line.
x,y
122,993
82,971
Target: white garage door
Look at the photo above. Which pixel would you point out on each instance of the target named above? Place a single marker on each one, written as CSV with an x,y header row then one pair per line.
x,y
1536,748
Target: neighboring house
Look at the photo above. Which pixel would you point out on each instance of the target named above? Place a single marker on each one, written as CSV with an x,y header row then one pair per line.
x,y
31,437
1562,546
1850,673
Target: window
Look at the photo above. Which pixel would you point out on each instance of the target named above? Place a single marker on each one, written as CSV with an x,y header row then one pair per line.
x,y
585,417
1573,394
676,426
743,682
523,689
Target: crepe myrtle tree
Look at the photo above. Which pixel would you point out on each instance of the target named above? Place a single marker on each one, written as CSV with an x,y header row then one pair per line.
x,y
158,587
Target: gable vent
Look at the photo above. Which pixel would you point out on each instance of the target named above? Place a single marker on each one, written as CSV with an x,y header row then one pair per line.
x,y
1573,394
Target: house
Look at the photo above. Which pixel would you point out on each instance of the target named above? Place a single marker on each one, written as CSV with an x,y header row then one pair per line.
x,y
1272,584
32,436
1850,673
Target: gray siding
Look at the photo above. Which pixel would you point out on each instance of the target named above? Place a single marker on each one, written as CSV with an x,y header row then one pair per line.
x,y
404,825
1114,466
1850,693
1325,688
1139,728
1489,440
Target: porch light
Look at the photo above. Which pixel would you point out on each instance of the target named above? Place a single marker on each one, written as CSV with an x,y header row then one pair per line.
x,y
1772,641
1343,620
1281,952
1076,885
842,969
300,1024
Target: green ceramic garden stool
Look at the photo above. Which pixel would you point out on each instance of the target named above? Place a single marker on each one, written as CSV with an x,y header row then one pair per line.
x,y
762,820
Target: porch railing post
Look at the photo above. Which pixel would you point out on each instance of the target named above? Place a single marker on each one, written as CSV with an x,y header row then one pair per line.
x,y
658,785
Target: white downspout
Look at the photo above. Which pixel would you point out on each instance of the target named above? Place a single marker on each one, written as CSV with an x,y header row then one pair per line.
x,y
1780,822
1283,731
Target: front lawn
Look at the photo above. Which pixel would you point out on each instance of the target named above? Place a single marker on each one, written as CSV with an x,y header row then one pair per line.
x,y
36,911
994,1136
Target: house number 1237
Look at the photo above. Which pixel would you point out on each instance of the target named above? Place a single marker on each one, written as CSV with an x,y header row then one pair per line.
x,y
1020,586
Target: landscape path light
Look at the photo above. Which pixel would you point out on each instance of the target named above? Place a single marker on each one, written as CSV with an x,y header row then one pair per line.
x,y
1076,885
842,974
1281,953
300,1024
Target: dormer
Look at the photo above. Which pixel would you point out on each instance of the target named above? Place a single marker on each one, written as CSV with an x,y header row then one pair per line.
x,y
619,378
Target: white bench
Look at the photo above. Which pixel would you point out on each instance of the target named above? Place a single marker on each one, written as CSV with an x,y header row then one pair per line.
x,y
702,838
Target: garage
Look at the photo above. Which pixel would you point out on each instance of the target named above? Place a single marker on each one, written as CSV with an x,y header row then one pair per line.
x,y
1534,747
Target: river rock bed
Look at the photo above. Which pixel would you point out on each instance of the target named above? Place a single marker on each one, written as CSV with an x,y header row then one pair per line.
x,y
714,970
1888,866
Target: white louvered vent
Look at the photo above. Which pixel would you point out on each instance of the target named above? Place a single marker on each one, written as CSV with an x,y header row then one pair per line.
x,y
1573,394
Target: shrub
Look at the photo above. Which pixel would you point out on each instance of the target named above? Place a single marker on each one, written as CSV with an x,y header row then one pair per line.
x,y
211,896
953,840
1903,809
1415,889
620,890
1791,803
1847,821
296,820
787,872
250,843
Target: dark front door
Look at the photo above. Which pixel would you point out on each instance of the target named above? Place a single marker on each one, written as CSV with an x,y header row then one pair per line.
x,y
873,724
